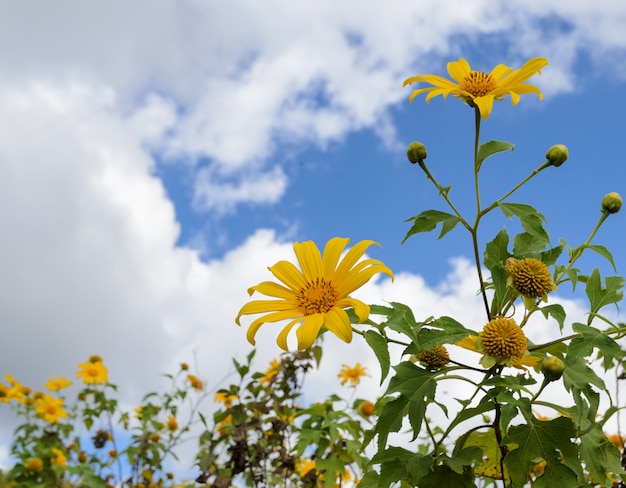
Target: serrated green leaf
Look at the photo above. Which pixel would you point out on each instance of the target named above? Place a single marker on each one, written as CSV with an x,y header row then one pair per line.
x,y
444,330
549,440
591,338
550,256
443,477
600,296
496,254
490,148
390,420
600,456
491,453
556,311
531,220
526,245
381,349
429,219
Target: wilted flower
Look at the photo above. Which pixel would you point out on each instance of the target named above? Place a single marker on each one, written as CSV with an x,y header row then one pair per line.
x,y
502,341
437,357
529,277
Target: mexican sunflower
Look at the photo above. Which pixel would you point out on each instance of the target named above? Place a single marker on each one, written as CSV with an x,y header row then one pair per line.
x,y
480,89
315,295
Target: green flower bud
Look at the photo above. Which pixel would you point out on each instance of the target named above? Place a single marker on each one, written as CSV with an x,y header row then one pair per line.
x,y
557,154
416,152
552,368
612,202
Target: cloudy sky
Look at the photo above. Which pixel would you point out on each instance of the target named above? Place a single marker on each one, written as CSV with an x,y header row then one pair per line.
x,y
156,157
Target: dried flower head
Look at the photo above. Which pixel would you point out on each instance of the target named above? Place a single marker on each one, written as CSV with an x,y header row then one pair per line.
x,y
502,342
530,277
437,357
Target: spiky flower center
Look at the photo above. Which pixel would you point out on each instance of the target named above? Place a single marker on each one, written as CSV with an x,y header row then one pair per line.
x,y
503,338
437,357
478,83
317,296
530,276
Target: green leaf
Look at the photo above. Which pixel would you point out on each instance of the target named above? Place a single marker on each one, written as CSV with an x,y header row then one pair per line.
x,y
490,148
428,220
526,245
491,454
556,311
393,465
600,296
531,219
578,375
591,338
600,456
496,254
549,440
444,330
550,256
443,477
381,349
417,388
390,420
604,252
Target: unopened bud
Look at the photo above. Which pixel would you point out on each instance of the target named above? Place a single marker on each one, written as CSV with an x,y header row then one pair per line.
x,y
612,202
552,368
416,152
557,154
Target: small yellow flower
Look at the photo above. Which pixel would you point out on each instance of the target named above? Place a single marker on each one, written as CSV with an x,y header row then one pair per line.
x,y
314,296
353,375
59,457
437,357
304,466
196,383
16,391
56,384
50,409
113,453
271,372
184,366
366,409
617,440
479,89
34,464
529,277
93,372
224,425
155,438
172,423
226,398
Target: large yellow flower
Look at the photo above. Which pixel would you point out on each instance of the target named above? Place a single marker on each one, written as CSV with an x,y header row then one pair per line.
x,y
479,89
316,294
50,409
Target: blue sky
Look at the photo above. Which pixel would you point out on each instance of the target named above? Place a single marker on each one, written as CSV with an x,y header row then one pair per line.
x,y
155,158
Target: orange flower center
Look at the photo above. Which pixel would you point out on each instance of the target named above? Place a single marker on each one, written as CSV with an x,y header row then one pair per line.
x,y
51,409
318,296
478,84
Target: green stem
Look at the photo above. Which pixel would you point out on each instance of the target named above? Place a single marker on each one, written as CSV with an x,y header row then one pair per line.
x,y
474,230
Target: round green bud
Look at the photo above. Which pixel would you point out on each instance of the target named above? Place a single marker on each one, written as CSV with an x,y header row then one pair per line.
x,y
612,202
557,154
416,152
552,368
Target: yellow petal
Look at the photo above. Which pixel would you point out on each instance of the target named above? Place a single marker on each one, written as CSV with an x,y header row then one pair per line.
x,y
288,274
485,105
282,337
459,69
468,343
336,321
530,68
262,306
309,258
350,259
309,330
271,317
272,289
499,71
360,275
332,253
361,309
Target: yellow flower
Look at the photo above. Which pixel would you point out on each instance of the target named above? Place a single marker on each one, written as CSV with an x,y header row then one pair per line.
x,y
316,294
304,466
50,409
172,423
271,372
224,424
479,89
59,457
196,383
366,408
34,464
16,391
226,398
93,372
502,340
55,384
437,357
353,375
530,277
616,439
